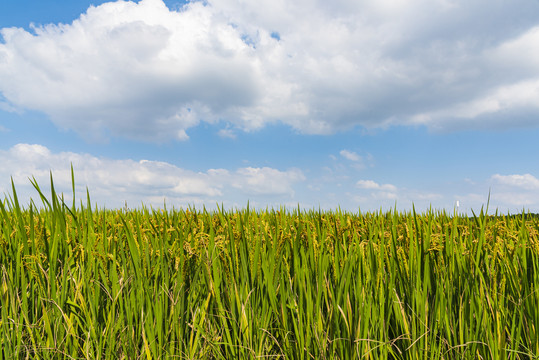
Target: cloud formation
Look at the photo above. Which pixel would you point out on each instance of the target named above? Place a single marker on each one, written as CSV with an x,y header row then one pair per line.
x,y
526,181
112,182
516,190
135,70
371,185
350,155
142,71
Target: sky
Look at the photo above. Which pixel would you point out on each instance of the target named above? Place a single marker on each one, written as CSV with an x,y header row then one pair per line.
x,y
359,105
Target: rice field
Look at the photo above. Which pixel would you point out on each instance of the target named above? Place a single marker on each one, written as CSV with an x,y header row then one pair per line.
x,y
82,282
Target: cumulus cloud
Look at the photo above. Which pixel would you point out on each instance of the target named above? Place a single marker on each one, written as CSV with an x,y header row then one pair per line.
x,y
516,190
374,195
112,182
266,180
389,194
526,181
143,71
350,155
517,101
371,185
136,70
227,133
355,161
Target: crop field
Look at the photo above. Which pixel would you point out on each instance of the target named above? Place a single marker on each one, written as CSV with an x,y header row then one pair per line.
x,y
80,282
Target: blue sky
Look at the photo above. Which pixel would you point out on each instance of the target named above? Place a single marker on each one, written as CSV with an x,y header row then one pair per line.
x,y
361,105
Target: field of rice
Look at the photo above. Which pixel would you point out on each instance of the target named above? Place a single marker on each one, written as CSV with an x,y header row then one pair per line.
x,y
81,282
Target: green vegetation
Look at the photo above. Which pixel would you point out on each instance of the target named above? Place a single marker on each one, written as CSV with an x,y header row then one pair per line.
x,y
78,282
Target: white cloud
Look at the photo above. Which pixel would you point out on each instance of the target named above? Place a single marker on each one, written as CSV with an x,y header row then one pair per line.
x,y
112,182
138,70
502,101
227,133
350,155
526,181
142,71
356,161
513,192
371,185
266,180
516,201
375,195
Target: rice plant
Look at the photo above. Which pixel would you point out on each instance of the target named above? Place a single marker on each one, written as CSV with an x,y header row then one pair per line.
x,y
80,282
